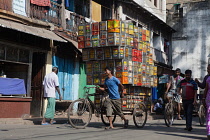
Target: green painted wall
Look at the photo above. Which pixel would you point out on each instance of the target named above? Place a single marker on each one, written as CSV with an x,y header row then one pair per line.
x,y
83,82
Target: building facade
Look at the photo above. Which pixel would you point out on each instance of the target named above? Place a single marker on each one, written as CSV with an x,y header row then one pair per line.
x,y
190,42
36,35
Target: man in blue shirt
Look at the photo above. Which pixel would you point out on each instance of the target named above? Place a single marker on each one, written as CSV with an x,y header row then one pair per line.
x,y
113,85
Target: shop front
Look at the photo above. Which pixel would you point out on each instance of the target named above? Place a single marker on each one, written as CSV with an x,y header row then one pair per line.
x,y
23,60
15,68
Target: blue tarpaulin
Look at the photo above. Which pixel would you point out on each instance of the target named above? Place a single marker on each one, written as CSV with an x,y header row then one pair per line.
x,y
154,94
9,86
68,75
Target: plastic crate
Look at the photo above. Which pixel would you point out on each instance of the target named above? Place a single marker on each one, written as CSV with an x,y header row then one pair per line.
x,y
113,26
113,39
103,66
96,66
95,37
118,52
85,54
103,35
95,43
89,79
103,25
107,53
99,54
89,67
88,29
88,44
96,78
81,44
81,30
103,42
92,54
95,28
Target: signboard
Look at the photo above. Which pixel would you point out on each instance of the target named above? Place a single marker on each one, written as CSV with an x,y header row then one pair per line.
x,y
164,79
19,7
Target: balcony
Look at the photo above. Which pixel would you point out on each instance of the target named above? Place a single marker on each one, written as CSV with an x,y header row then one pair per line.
x,y
6,5
159,56
51,15
72,24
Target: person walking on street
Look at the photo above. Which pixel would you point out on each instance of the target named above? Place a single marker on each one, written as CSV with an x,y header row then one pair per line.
x,y
172,87
188,89
203,84
51,85
206,100
113,85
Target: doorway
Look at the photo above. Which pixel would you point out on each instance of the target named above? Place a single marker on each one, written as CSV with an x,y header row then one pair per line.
x,y
38,72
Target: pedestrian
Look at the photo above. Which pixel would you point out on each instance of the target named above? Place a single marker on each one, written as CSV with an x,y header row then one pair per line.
x,y
172,87
206,99
188,89
113,86
158,108
51,85
203,84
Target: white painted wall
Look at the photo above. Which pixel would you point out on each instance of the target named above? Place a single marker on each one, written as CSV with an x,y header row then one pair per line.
x,y
158,43
191,53
159,11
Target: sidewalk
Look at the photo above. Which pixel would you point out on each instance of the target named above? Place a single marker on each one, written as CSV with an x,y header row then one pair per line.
x,y
62,118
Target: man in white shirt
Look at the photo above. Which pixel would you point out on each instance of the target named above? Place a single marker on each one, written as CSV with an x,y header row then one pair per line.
x,y
51,84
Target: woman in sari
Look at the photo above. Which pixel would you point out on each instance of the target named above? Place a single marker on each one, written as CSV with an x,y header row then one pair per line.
x,y
206,100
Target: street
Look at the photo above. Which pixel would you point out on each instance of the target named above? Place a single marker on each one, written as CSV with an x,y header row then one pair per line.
x,y
153,130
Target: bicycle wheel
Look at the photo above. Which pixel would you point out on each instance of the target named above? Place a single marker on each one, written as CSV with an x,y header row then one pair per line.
x,y
169,114
105,120
202,115
79,113
140,115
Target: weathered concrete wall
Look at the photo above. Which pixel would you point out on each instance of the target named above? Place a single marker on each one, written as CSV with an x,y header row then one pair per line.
x,y
191,42
159,11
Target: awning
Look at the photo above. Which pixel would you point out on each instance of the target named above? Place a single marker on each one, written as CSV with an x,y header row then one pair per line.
x,y
30,30
66,37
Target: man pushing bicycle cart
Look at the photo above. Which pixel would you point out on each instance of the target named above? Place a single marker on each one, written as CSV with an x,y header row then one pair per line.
x,y
113,86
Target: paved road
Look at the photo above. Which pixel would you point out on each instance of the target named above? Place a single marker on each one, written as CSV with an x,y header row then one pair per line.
x,y
154,130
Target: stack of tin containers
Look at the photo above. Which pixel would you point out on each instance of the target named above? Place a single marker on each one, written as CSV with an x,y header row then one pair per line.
x,y
124,47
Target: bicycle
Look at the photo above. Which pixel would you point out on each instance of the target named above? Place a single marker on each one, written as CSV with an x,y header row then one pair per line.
x,y
170,109
80,111
201,111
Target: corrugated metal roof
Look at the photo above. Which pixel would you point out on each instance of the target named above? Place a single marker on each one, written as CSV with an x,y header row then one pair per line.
x,y
64,36
31,30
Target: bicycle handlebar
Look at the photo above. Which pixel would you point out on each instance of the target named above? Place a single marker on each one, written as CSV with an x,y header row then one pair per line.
x,y
91,87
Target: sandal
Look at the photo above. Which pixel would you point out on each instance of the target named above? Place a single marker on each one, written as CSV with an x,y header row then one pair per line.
x,y
126,124
53,122
108,128
179,118
46,123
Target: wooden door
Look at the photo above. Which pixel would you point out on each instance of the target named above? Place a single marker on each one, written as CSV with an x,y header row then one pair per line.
x,y
38,65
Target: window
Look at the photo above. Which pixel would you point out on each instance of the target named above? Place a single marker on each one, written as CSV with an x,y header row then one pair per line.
x,y
106,13
155,3
24,56
12,54
82,7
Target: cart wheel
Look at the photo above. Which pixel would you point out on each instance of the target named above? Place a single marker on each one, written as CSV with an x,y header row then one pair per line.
x,y
201,115
140,115
105,119
169,114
